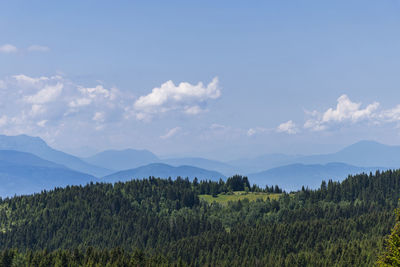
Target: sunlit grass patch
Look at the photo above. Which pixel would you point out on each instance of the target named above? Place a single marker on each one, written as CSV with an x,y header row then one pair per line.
x,y
224,198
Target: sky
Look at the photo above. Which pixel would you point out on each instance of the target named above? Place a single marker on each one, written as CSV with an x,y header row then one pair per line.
x,y
217,79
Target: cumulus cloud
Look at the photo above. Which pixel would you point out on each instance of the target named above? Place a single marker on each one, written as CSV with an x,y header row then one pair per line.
x,y
38,48
98,91
170,133
184,97
346,111
349,112
33,105
48,106
8,48
287,127
391,115
47,94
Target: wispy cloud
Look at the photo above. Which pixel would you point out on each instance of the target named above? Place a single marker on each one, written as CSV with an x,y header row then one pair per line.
x,y
38,48
8,48
170,133
257,130
184,97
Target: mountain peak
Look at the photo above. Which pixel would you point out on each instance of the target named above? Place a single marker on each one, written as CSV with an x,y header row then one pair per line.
x,y
368,146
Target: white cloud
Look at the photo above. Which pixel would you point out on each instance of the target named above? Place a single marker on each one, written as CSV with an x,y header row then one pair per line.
x,y
98,91
38,48
8,48
391,115
37,110
170,133
194,110
345,111
348,110
315,125
2,84
257,130
26,79
287,127
47,94
46,105
183,97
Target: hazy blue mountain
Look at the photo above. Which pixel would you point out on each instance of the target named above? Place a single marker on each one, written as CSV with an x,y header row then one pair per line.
x,y
130,158
363,153
224,168
122,159
264,162
163,171
38,147
25,173
294,176
23,158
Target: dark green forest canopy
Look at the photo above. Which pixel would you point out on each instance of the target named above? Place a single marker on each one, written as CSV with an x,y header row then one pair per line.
x,y
164,222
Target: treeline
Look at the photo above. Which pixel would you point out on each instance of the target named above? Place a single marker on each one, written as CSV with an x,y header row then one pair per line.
x,y
90,257
342,224
234,183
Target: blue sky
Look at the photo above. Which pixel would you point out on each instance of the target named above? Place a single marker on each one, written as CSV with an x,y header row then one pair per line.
x,y
277,76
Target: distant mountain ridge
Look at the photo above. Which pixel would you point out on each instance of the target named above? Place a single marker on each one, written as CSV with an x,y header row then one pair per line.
x,y
222,167
122,159
38,147
131,158
24,173
292,177
22,153
163,171
363,153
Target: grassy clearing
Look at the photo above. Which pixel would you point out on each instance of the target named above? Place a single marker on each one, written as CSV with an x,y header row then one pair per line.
x,y
223,199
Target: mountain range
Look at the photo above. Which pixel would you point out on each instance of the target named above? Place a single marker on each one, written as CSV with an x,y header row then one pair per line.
x,y
28,164
292,177
122,159
38,147
363,153
164,171
24,173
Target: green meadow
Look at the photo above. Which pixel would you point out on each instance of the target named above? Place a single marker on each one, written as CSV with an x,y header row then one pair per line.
x,y
224,198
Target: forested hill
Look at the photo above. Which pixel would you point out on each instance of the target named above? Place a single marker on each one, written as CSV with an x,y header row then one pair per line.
x,y
158,220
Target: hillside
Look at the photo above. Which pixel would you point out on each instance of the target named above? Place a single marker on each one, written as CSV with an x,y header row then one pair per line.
x,y
340,224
